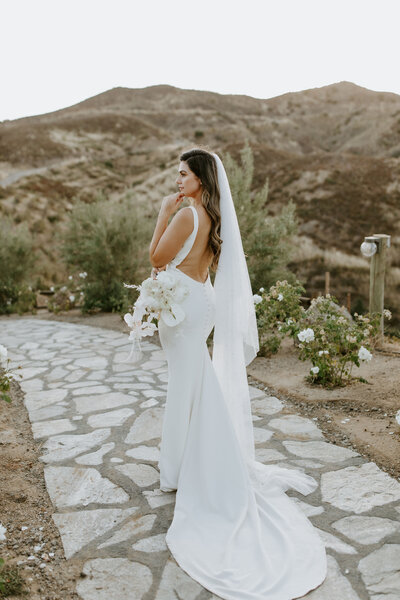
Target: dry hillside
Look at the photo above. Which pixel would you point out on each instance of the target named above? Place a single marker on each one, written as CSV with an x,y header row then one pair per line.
x,y
334,150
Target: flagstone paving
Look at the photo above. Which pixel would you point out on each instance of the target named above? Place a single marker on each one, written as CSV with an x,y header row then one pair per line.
x,y
99,422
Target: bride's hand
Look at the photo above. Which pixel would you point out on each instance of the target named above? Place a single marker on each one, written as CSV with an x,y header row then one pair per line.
x,y
156,270
172,202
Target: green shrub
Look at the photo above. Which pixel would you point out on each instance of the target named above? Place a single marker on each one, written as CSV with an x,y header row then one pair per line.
x,y
110,243
6,374
11,581
280,306
267,240
325,333
17,260
333,341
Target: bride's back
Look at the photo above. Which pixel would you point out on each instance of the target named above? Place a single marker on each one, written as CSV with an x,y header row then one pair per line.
x,y
200,256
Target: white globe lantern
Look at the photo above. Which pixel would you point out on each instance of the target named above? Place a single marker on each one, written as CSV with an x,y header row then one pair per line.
x,y
368,249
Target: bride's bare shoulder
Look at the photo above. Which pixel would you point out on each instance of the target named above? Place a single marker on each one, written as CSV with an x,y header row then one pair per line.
x,y
182,219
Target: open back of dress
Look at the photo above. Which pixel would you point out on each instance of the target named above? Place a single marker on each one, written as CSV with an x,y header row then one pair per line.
x,y
234,530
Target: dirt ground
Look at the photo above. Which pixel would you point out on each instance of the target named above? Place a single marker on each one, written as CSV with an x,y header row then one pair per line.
x,y
26,510
360,416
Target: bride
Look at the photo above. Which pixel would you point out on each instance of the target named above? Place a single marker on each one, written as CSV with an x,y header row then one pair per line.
x,y
234,529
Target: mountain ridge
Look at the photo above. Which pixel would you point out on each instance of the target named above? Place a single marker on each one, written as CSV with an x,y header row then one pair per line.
x,y
334,150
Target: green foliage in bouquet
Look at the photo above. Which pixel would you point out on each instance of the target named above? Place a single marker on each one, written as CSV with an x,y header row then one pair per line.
x,y
17,260
109,243
267,240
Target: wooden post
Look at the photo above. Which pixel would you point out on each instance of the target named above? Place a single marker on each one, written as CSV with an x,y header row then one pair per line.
x,y
377,277
327,282
348,301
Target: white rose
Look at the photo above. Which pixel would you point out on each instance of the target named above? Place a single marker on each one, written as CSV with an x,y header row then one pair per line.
x,y
166,278
364,354
306,335
314,370
257,299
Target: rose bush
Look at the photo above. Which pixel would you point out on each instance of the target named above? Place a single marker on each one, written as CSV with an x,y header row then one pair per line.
x,y
325,334
277,312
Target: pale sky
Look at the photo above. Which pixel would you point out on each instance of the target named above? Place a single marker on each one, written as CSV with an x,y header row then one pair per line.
x,y
55,53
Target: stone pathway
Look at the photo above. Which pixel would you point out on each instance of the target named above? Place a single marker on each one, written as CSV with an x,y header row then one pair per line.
x,y
99,421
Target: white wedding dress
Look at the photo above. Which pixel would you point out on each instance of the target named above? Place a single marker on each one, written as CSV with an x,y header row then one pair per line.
x,y
234,529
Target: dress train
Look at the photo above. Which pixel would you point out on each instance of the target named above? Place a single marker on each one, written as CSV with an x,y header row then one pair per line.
x,y
234,529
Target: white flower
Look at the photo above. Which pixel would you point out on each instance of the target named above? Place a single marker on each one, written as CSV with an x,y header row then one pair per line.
x,y
289,321
351,339
3,354
71,298
128,318
257,299
2,533
52,288
64,288
321,352
70,277
83,275
280,297
160,298
397,417
166,278
387,314
314,370
261,290
142,329
306,335
364,354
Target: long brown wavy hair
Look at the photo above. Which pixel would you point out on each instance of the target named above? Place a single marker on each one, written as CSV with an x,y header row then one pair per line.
x,y
204,166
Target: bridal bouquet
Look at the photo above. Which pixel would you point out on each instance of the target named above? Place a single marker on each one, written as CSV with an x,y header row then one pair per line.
x,y
159,298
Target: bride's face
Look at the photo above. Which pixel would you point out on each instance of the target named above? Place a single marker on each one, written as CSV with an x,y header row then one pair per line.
x,y
187,181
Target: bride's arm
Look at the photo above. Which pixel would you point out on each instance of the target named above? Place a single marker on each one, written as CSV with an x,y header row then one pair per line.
x,y
168,239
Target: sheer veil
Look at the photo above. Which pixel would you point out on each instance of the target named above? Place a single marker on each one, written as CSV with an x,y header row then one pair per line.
x,y
236,344
236,340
